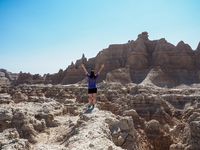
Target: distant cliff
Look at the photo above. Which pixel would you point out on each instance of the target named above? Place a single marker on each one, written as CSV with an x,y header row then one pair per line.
x,y
158,61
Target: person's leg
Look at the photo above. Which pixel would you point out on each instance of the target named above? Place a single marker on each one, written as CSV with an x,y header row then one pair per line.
x,y
90,99
94,98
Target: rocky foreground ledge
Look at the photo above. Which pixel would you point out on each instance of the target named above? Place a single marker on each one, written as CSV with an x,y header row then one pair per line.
x,y
133,117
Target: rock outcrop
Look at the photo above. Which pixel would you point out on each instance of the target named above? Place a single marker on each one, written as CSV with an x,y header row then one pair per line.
x,y
27,78
149,100
177,64
9,139
119,75
127,116
158,138
172,65
6,78
3,79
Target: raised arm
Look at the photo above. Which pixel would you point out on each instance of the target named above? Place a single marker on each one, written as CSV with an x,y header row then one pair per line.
x,y
82,65
102,66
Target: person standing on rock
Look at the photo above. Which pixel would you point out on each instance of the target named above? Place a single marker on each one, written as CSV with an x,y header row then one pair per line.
x,y
92,89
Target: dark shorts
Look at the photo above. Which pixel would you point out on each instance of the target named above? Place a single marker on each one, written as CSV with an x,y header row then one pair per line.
x,y
94,90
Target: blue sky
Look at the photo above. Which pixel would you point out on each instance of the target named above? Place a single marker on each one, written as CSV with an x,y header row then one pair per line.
x,y
42,36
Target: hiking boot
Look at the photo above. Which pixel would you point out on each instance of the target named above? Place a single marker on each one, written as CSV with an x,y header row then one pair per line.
x,y
89,106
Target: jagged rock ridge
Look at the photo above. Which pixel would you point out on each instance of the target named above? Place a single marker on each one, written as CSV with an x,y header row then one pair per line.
x,y
177,64
129,116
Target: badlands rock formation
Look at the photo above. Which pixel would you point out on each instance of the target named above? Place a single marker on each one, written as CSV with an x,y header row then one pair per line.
x,y
127,116
171,64
7,77
149,100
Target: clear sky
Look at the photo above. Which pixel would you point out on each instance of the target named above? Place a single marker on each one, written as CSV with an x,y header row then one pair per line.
x,y
42,36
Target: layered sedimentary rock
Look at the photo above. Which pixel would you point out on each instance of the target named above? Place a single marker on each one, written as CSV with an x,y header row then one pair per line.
x,y
27,78
127,116
6,78
142,61
172,65
3,79
178,64
145,116
119,75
